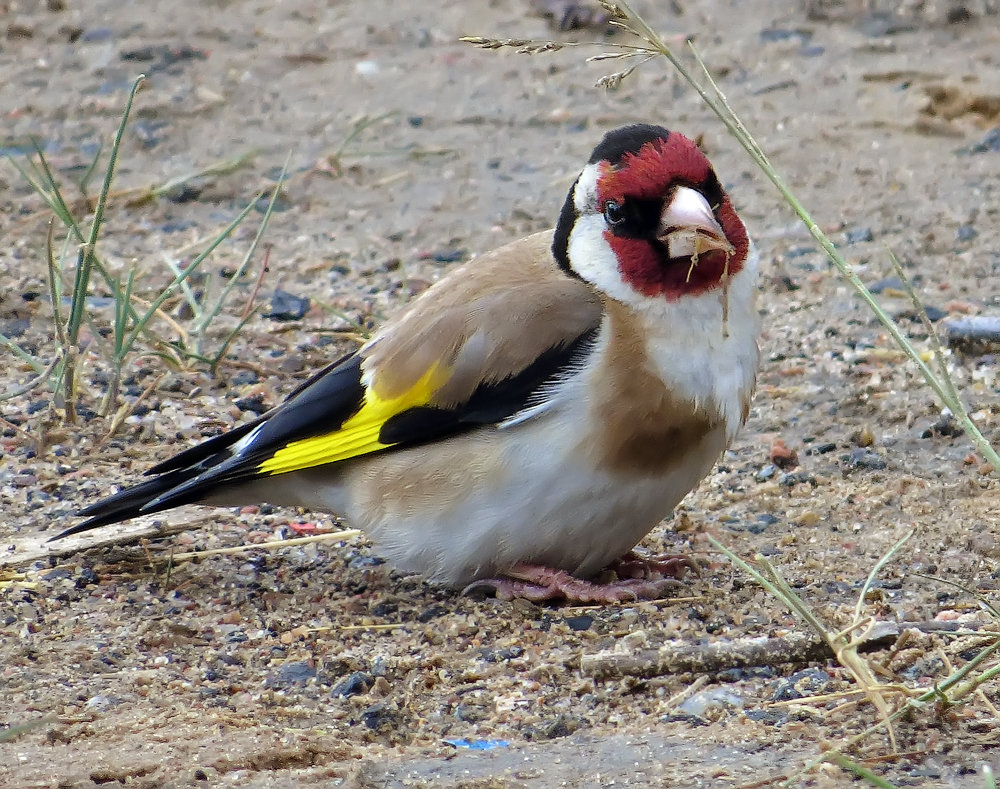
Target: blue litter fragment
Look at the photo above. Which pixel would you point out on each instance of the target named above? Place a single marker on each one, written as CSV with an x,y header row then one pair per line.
x,y
478,745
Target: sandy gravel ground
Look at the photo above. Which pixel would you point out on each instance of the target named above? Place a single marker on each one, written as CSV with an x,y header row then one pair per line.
x,y
317,665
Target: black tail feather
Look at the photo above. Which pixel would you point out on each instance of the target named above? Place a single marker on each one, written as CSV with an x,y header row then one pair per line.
x,y
215,446
128,503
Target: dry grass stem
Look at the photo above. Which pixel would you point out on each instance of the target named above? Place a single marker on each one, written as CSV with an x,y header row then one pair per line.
x,y
337,536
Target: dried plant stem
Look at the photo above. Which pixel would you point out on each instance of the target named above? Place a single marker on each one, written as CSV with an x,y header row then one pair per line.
x,y
844,647
936,694
336,536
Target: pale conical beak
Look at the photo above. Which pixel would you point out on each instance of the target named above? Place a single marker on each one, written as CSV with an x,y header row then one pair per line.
x,y
688,228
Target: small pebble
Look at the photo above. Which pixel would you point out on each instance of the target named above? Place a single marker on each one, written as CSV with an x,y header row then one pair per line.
x,y
771,34
471,713
177,226
97,34
774,717
793,478
763,521
578,623
865,459
808,682
798,252
864,437
934,314
944,426
352,685
713,698
976,333
879,24
15,327
859,235
102,702
287,306
989,144
807,518
297,672
501,655
889,283
927,666
767,472
783,456
432,613
554,728
254,403
444,255
244,378
185,192
365,560
379,717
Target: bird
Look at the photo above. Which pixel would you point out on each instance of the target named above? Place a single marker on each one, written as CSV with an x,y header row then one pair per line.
x,y
524,422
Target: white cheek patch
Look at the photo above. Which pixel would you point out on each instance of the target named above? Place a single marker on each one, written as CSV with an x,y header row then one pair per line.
x,y
585,193
592,257
590,254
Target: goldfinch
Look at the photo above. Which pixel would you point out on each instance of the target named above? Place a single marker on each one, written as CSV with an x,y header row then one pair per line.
x,y
527,420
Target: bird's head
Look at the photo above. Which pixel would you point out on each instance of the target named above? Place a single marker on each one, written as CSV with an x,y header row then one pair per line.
x,y
648,218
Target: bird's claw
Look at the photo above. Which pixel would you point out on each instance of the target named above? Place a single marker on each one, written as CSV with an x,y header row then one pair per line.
x,y
540,584
634,565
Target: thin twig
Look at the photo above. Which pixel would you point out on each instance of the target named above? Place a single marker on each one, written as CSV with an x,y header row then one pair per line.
x,y
336,536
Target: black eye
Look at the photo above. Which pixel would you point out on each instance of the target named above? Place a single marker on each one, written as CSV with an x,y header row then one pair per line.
x,y
614,213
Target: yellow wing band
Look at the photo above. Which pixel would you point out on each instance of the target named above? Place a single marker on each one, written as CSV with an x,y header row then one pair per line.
x,y
359,435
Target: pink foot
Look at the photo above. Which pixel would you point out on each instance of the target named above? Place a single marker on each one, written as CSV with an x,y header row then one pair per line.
x,y
634,565
537,584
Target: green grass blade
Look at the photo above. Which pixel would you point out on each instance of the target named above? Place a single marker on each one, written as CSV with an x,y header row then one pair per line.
x,y
46,188
21,354
875,571
362,124
210,315
860,771
217,168
55,292
993,610
38,379
84,181
123,300
185,288
187,272
57,201
86,262
213,363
